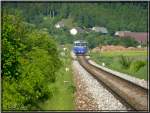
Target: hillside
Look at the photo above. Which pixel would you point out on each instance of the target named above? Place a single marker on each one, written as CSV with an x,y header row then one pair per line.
x,y
130,16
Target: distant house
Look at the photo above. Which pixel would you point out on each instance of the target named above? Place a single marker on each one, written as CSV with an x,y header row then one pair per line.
x,y
76,30
121,33
141,37
100,29
59,24
88,30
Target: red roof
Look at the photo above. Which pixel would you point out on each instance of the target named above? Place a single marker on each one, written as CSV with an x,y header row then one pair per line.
x,y
139,36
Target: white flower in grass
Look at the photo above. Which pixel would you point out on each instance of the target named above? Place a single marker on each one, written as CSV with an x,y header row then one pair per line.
x,y
103,64
67,69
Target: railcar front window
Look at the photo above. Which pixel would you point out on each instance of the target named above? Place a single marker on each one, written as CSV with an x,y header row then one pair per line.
x,y
80,44
83,44
77,44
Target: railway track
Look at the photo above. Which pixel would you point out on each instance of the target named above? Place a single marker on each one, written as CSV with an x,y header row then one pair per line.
x,y
136,96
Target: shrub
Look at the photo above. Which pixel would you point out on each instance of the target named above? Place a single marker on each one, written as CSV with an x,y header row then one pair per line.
x,y
125,61
135,66
29,62
72,88
11,99
128,42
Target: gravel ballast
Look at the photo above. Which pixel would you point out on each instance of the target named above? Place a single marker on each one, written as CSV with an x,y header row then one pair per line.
x,y
91,94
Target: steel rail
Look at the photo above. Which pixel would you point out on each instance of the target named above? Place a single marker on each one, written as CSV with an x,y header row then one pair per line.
x,y
134,95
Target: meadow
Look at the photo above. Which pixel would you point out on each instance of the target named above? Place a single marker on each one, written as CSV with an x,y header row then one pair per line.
x,y
133,63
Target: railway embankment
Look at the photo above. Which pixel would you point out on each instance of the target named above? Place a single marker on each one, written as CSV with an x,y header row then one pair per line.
x,y
133,94
140,82
91,94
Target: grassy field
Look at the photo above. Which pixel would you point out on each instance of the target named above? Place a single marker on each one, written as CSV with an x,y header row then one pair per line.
x,y
63,88
133,63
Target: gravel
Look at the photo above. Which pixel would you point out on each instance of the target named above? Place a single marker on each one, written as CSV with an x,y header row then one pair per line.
x,y
98,95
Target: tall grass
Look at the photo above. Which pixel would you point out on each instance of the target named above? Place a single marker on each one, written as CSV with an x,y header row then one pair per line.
x,y
132,63
125,61
137,65
64,88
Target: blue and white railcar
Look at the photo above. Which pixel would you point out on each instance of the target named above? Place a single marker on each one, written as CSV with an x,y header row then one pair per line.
x,y
80,47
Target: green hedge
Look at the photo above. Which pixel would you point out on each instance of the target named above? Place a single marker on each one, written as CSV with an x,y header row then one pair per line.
x,y
29,62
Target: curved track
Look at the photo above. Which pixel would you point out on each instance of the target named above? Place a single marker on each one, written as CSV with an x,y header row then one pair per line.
x,y
134,95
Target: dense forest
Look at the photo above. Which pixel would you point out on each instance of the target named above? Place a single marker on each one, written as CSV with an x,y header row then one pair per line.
x,y
130,16
29,42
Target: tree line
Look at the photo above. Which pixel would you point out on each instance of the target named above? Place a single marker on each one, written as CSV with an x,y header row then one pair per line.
x,y
115,16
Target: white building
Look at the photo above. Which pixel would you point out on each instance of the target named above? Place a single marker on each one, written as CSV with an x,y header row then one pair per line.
x,y
121,33
100,29
76,30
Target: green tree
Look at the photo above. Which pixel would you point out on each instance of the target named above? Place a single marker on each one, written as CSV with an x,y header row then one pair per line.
x,y
29,62
128,42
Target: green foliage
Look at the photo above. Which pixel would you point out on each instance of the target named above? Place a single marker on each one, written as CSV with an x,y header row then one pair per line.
x,y
63,88
63,36
11,99
135,66
36,75
72,88
114,16
89,38
96,39
128,42
12,32
30,59
125,61
112,61
29,62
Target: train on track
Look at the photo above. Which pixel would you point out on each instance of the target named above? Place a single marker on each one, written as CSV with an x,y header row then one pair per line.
x,y
80,47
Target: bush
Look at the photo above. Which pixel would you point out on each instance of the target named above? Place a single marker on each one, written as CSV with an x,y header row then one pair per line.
x,y
128,42
72,88
29,62
125,61
11,99
12,32
135,66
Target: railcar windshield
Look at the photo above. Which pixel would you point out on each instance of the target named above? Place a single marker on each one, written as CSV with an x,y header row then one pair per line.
x,y
80,44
